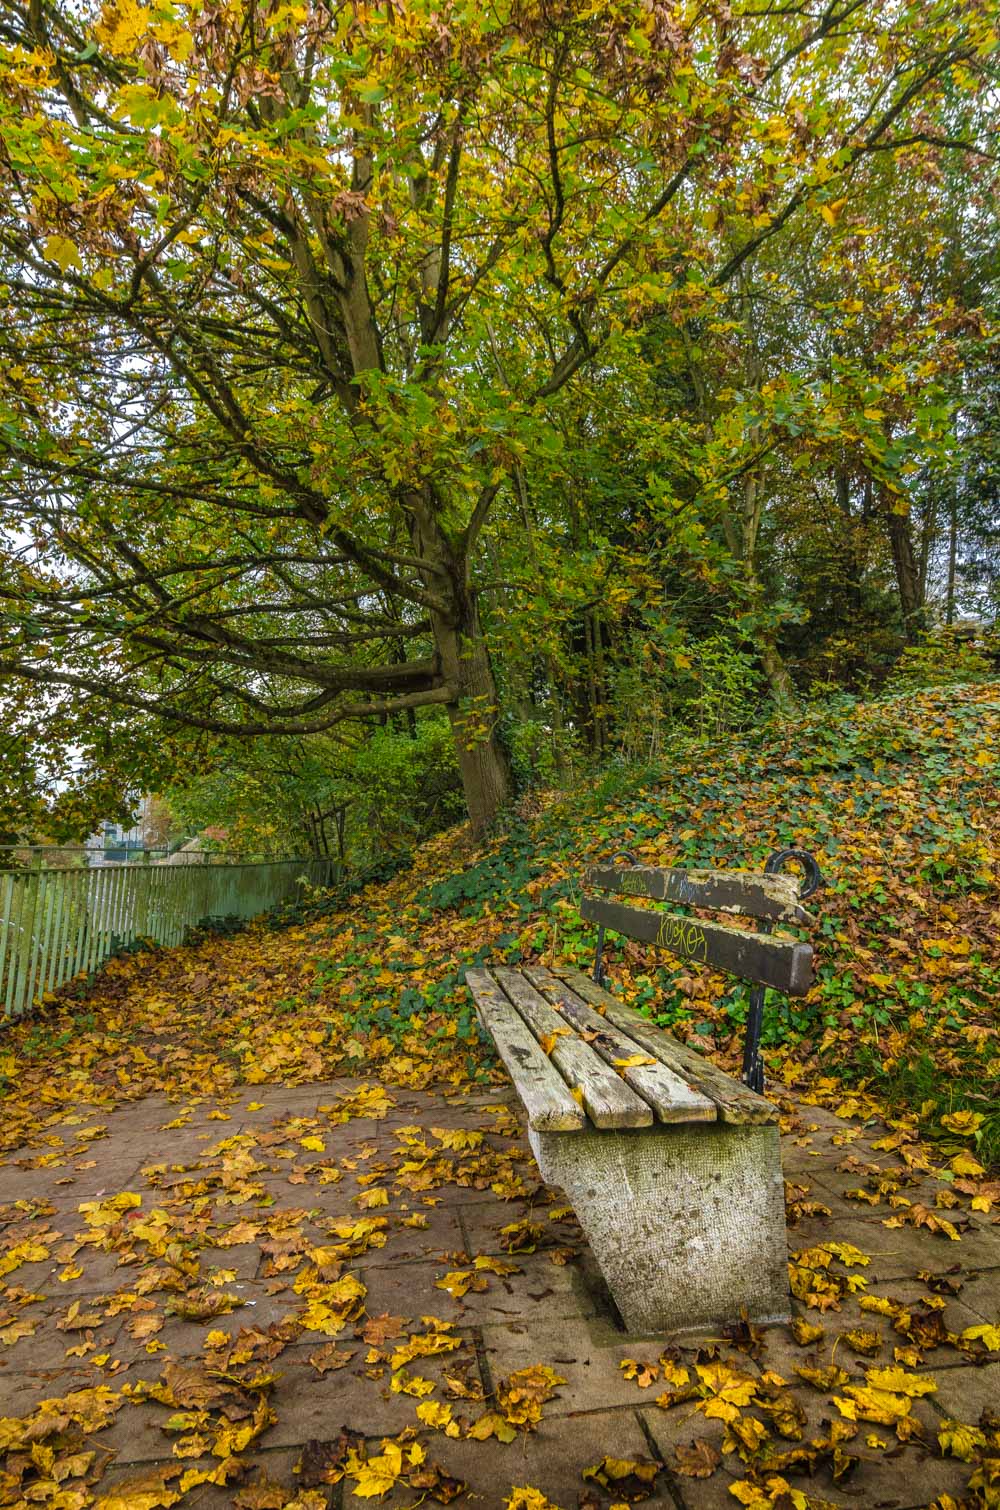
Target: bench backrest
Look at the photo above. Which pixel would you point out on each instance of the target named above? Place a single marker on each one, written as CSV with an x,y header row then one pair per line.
x,y
769,959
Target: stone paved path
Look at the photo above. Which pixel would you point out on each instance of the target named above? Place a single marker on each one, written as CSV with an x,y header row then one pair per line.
x,y
208,1175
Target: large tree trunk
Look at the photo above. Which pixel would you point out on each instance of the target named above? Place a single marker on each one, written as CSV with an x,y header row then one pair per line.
x,y
482,760
464,664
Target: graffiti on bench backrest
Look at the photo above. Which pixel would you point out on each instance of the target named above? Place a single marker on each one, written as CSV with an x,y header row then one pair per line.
x,y
684,937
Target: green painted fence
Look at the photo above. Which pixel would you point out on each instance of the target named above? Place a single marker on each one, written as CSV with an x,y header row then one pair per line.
x,y
55,924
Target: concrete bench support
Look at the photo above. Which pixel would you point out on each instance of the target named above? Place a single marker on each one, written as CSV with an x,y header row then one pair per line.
x,y
686,1221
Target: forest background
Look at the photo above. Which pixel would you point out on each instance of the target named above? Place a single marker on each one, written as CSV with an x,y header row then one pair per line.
x,y
409,404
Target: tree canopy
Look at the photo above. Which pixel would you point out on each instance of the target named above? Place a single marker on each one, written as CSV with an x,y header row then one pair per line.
x,y
367,359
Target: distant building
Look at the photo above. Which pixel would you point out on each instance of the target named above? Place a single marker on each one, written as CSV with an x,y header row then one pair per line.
x,y
114,844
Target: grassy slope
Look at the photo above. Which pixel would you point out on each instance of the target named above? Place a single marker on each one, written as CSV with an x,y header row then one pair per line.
x,y
898,799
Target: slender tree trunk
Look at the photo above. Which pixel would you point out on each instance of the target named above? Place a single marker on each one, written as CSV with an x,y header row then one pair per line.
x,y
558,721
949,613
593,702
852,565
907,572
927,540
311,830
600,684
779,682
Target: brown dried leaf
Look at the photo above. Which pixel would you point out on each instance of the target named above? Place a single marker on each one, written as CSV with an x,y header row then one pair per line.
x,y
326,1359
697,1459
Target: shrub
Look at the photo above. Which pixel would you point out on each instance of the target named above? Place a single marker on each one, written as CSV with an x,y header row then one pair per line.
x,y
947,656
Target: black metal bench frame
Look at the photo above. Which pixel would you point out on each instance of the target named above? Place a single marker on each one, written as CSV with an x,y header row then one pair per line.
x,y
781,860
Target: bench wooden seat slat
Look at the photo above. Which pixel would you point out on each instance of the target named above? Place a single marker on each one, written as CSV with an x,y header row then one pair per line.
x,y
548,1103
671,1095
608,1100
774,898
785,964
736,1104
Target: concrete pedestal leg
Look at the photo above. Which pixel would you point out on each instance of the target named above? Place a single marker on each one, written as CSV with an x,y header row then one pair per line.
x,y
686,1222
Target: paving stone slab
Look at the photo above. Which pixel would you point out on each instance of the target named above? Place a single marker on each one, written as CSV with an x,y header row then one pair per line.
x,y
309,1405
540,1293
18,1183
587,1353
23,1388
900,1251
259,1309
964,1393
837,1323
981,1293
484,1220
275,1465
443,1236
551,1459
48,1347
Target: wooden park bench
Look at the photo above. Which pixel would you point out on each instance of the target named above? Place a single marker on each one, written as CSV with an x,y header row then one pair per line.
x,y
672,1166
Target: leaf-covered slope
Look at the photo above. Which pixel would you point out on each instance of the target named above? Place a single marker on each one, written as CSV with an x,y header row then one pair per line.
x,y
898,799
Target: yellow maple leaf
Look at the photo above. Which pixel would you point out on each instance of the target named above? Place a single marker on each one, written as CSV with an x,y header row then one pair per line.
x,y
457,1138
847,1253
985,1333
963,1122
610,1470
411,1384
61,250
491,1424
376,1477
16,1330
371,1198
425,1345
878,1405
436,1414
497,1265
460,1281
960,1440
897,1379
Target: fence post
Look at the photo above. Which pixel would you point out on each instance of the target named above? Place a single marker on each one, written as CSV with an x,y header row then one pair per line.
x,y
25,922
6,931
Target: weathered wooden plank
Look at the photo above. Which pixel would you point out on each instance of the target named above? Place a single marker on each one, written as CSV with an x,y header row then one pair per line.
x,y
673,1097
785,964
548,1103
608,1100
753,894
735,1101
